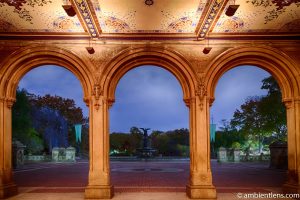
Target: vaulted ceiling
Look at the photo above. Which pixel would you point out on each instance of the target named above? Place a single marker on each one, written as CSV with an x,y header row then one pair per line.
x,y
134,18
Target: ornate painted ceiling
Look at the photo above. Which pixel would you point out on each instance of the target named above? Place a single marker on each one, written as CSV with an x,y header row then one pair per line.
x,y
164,16
262,16
167,18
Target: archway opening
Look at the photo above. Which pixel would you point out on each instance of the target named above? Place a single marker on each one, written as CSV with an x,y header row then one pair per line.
x,y
149,97
249,147
50,126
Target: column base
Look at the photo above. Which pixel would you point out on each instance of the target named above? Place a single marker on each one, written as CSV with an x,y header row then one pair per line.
x,y
201,192
290,188
99,192
8,190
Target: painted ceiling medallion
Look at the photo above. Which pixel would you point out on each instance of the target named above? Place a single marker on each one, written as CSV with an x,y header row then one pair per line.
x,y
149,2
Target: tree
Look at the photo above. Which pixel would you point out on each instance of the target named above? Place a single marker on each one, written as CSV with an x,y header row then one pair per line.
x,y
228,135
262,117
250,121
273,110
126,143
52,125
136,137
66,107
21,121
22,127
171,143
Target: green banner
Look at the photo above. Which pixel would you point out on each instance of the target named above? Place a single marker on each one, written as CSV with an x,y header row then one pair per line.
x,y
78,132
213,128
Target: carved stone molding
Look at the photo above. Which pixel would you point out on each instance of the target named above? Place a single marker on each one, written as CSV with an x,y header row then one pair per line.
x,y
297,99
288,103
202,177
187,102
211,101
86,101
110,102
201,92
97,92
8,101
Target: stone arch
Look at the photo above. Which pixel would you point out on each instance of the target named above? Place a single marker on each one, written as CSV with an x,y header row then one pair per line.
x,y
22,61
275,62
13,68
284,70
165,58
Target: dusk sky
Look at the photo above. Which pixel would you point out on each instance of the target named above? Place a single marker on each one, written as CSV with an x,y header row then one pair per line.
x,y
150,96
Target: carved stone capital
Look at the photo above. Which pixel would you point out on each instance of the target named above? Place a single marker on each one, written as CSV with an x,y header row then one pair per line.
x,y
288,103
211,100
190,101
86,101
187,102
297,99
8,101
110,102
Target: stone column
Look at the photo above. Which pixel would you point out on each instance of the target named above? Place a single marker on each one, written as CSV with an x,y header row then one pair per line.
x,y
99,186
293,127
7,186
200,183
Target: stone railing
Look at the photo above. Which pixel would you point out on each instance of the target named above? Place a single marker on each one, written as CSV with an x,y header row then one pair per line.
x,y
63,154
235,155
37,158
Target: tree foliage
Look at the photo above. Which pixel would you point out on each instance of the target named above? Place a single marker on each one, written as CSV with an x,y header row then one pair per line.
x,y
260,118
22,127
170,143
66,108
45,122
52,125
273,110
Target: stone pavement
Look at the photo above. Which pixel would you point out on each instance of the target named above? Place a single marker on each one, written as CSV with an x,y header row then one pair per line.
x,y
144,180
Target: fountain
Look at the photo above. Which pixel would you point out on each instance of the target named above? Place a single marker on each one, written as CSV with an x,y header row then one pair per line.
x,y
146,151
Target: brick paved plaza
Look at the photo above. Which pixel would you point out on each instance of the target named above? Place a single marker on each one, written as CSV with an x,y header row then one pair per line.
x,y
155,178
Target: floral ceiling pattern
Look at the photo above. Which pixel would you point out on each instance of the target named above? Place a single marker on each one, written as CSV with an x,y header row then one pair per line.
x,y
261,16
134,16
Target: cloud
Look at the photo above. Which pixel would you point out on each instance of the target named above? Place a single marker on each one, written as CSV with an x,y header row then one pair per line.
x,y
148,96
234,87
